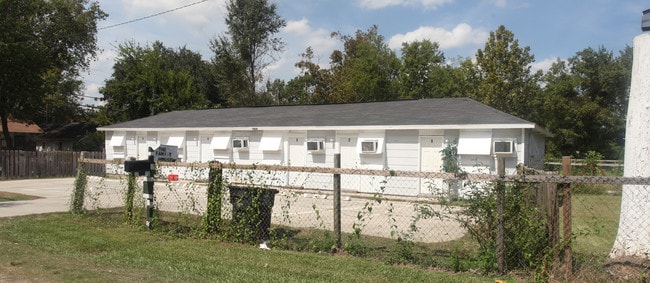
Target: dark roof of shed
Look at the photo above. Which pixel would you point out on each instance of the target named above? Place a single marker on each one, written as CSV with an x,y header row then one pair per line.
x,y
438,111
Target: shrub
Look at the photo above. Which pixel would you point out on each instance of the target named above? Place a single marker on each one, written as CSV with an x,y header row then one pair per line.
x,y
525,229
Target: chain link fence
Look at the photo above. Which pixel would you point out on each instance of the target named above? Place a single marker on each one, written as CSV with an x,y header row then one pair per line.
x,y
545,223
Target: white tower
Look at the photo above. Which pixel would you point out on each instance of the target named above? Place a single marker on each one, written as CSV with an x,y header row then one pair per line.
x,y
633,237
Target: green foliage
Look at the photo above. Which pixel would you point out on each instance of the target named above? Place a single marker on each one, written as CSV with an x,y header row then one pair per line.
x,y
450,163
90,142
590,164
78,192
356,247
212,218
526,236
251,214
154,79
366,69
422,64
590,91
129,216
40,60
312,86
503,77
241,56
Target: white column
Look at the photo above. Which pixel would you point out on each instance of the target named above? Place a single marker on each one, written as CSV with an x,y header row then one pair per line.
x,y
633,238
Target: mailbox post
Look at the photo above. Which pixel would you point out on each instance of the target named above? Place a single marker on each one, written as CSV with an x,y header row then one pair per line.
x,y
144,168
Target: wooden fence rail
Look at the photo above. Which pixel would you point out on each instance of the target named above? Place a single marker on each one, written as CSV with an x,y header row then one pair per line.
x,y
18,164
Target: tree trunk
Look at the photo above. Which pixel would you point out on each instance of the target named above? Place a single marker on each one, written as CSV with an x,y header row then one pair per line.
x,y
633,237
5,131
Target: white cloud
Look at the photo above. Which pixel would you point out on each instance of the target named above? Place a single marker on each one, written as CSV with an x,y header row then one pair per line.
x,y
300,35
543,65
461,35
196,16
427,4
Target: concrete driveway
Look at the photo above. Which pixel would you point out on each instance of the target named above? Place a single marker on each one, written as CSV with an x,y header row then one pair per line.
x,y
54,193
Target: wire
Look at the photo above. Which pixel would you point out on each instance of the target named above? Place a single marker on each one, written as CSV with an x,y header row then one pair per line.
x,y
154,15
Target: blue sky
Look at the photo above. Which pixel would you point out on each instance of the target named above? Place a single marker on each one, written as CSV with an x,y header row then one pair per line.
x,y
553,29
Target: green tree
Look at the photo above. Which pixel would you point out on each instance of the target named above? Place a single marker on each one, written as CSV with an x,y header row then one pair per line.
x,y
366,69
273,91
245,50
312,86
422,64
153,79
43,47
585,101
503,76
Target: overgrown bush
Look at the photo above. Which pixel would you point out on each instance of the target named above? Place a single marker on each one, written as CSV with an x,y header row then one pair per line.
x,y
251,214
77,203
212,217
526,237
128,199
590,167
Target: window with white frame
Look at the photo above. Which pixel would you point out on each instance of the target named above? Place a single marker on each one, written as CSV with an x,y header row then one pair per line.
x,y
315,145
370,143
240,143
369,146
503,147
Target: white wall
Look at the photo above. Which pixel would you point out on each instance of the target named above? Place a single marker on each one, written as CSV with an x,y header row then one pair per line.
x,y
400,151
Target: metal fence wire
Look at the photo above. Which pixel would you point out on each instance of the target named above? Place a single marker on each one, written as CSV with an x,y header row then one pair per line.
x,y
527,221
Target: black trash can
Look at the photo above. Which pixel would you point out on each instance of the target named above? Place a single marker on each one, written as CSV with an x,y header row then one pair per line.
x,y
251,212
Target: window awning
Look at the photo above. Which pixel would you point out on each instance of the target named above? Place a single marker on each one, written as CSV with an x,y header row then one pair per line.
x,y
271,142
220,141
475,142
117,139
176,141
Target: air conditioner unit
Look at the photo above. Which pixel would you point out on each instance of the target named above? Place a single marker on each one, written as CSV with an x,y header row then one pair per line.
x,y
503,147
315,145
368,146
240,143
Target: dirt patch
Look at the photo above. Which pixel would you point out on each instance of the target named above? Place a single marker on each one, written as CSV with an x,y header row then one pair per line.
x,y
628,269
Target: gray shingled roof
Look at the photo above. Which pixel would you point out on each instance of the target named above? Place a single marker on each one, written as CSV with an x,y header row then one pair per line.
x,y
440,111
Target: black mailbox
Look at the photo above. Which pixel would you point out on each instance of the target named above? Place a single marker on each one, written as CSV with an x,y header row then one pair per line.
x,y
137,166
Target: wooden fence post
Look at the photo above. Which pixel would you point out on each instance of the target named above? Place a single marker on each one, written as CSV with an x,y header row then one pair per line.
x,y
566,215
337,200
547,200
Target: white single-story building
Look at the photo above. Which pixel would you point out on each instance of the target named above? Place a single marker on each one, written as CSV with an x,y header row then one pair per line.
x,y
396,135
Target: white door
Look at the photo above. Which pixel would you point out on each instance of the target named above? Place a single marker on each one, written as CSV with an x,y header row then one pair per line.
x,y
349,159
143,147
297,156
431,161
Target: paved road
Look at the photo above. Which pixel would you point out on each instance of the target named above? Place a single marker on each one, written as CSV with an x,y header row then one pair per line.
x,y
54,193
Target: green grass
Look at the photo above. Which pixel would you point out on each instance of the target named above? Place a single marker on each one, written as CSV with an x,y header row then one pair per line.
x,y
595,223
98,248
7,196
68,248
